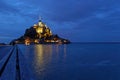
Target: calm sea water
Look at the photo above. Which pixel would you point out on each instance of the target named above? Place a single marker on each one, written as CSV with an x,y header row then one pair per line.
x,y
72,62
69,62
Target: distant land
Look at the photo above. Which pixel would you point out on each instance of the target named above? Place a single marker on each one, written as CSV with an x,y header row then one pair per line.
x,y
2,44
96,42
80,43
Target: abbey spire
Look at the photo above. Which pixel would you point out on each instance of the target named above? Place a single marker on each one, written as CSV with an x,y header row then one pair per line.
x,y
40,19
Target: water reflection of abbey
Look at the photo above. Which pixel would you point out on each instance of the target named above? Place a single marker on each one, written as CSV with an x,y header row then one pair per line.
x,y
45,54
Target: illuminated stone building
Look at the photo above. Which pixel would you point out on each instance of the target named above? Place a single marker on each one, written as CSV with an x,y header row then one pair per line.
x,y
39,33
42,30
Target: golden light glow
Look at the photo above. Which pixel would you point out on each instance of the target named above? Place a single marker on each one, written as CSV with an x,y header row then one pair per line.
x,y
41,24
36,41
27,41
39,30
43,56
39,59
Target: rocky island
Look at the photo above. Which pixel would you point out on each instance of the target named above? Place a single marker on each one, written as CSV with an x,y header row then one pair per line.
x,y
39,34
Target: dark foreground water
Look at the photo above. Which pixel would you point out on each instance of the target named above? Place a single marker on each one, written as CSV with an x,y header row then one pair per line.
x,y
70,62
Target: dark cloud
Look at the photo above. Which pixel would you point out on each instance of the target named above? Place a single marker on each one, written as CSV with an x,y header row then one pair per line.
x,y
75,10
6,8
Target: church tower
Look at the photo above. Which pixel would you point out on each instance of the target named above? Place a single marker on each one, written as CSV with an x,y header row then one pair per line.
x,y
40,23
42,29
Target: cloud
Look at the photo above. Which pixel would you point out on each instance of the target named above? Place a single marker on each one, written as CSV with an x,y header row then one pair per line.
x,y
6,9
78,20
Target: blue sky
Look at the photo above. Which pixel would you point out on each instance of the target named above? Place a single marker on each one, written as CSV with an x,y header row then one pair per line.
x,y
76,20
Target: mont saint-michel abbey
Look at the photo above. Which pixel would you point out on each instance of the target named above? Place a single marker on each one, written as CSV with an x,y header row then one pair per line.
x,y
39,33
42,30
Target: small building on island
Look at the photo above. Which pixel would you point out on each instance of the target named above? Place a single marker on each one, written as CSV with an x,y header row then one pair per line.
x,y
39,33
